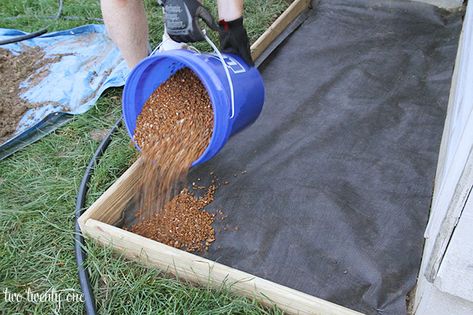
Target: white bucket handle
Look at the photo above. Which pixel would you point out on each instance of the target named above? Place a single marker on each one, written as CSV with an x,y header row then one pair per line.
x,y
229,78
225,68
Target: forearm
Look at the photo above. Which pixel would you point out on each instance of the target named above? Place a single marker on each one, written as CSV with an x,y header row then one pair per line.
x,y
229,10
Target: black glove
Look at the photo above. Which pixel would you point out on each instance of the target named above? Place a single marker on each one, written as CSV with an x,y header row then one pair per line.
x,y
181,18
234,40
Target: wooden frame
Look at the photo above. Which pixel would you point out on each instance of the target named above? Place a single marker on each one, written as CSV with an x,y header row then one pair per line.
x,y
289,15
99,221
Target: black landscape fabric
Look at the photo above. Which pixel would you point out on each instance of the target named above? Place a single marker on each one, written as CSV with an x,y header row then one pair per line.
x,y
329,191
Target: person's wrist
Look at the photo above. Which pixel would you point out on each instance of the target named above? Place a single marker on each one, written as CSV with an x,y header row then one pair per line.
x,y
236,23
233,24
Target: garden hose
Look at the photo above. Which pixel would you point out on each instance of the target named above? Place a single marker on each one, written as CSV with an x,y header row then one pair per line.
x,y
79,244
20,38
42,31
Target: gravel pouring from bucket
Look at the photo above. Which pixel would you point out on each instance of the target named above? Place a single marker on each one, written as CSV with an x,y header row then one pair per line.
x,y
236,90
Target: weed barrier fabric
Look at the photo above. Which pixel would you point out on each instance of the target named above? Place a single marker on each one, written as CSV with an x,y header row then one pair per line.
x,y
329,191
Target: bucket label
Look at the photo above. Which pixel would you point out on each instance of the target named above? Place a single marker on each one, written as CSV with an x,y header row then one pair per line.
x,y
232,64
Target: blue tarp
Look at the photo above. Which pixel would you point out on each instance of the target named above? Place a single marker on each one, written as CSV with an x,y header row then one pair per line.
x,y
89,64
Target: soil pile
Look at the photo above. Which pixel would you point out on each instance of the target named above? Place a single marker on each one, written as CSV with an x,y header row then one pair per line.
x,y
173,130
30,66
182,222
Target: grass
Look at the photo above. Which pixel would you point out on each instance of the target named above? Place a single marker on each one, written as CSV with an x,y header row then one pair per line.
x,y
38,187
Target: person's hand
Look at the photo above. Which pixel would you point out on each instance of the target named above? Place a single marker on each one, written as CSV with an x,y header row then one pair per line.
x,y
182,17
234,39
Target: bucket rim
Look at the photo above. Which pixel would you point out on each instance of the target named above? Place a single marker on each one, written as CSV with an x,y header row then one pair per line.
x,y
214,87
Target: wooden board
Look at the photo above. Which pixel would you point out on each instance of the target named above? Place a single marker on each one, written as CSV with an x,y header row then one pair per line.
x,y
98,223
200,270
99,220
109,207
292,12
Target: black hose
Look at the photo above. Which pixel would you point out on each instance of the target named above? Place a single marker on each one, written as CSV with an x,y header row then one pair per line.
x,y
42,31
60,4
79,243
20,38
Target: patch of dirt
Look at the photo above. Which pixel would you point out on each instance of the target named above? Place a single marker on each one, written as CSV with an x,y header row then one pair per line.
x,y
173,130
182,223
30,67
92,79
98,134
410,300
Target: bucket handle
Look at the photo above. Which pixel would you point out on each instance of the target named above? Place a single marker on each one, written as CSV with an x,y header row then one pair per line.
x,y
225,68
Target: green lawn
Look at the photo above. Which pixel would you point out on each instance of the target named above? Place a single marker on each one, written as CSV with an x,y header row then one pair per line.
x,y
38,187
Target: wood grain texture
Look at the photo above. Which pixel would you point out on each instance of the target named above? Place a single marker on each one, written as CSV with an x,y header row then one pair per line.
x,y
203,271
292,12
108,207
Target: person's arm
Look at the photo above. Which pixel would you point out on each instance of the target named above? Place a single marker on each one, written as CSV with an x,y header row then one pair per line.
x,y
229,10
127,26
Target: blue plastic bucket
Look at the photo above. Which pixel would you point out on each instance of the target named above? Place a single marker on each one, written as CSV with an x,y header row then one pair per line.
x,y
248,91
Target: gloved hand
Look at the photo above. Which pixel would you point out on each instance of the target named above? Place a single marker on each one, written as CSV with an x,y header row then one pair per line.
x,y
234,39
181,18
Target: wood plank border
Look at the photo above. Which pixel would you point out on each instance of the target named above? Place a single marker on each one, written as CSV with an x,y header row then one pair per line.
x,y
97,223
289,15
203,271
109,206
